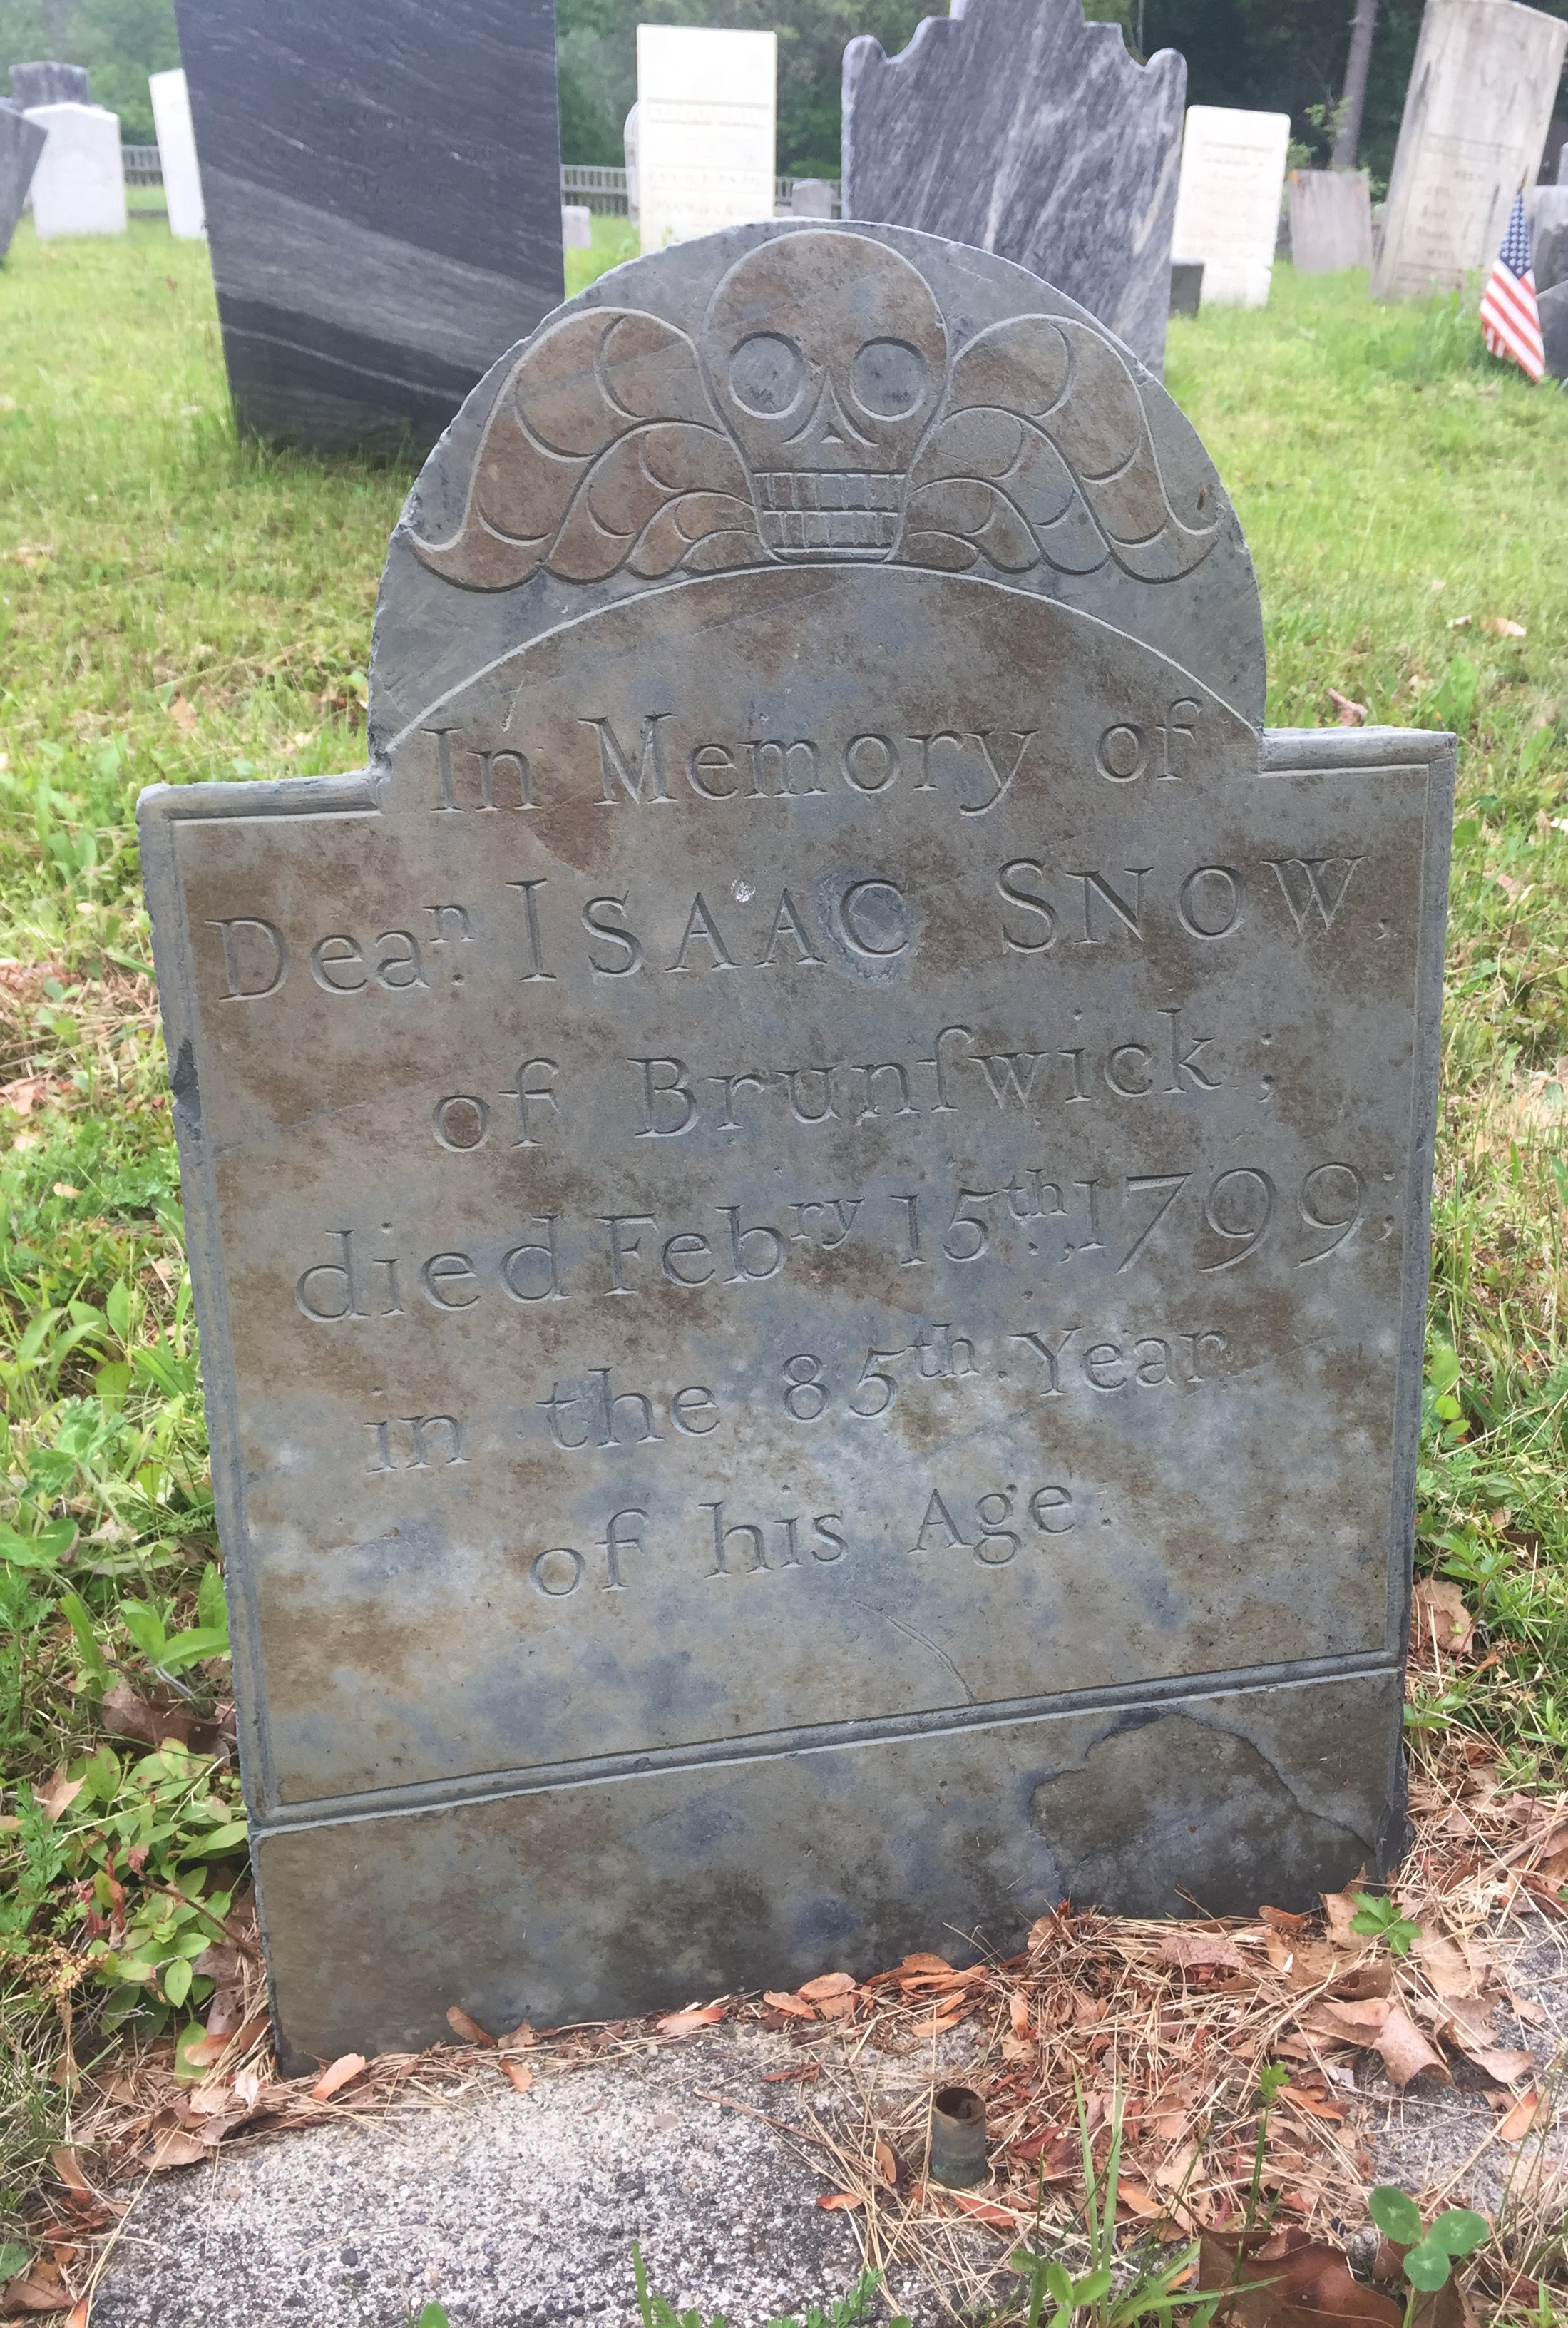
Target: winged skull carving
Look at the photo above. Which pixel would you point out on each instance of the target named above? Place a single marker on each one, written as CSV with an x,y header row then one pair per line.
x,y
817,421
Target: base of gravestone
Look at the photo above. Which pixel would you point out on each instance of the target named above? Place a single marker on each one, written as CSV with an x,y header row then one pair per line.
x,y
1186,286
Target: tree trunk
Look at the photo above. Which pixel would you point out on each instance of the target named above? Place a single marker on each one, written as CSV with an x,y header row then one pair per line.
x,y
1354,101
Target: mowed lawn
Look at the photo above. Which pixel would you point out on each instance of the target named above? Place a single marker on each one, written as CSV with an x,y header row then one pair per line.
x,y
178,605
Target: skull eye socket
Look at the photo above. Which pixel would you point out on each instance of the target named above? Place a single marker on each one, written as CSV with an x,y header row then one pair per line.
x,y
888,379
766,375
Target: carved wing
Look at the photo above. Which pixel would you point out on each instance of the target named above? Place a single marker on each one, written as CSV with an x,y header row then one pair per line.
x,y
601,451
1044,451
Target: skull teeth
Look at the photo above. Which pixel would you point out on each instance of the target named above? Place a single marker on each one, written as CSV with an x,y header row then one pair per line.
x,y
828,509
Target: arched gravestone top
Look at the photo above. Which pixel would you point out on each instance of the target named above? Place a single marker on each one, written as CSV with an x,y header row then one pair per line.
x,y
1018,443
808,1198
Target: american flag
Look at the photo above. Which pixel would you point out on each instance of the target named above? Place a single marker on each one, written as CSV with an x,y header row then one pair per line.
x,y
1510,319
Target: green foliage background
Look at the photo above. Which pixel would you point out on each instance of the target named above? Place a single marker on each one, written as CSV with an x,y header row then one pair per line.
x,y
1286,55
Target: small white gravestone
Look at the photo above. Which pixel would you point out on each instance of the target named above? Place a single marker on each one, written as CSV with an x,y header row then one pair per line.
x,y
1227,200
576,227
80,184
629,140
707,106
177,154
1475,118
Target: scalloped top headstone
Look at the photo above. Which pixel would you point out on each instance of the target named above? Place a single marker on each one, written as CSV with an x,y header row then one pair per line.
x,y
808,1197
1014,126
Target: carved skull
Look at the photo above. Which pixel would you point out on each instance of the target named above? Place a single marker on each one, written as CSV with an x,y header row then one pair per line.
x,y
827,355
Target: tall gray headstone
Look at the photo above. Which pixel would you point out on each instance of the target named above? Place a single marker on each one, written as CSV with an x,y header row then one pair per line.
x,y
384,205
1014,126
20,143
50,84
1331,220
1475,121
809,1197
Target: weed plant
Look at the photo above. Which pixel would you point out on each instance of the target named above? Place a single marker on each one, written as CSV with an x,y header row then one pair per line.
x,y
178,604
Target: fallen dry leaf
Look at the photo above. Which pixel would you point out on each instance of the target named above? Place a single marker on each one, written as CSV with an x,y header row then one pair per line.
x,y
681,2024
1528,2112
984,2212
782,2001
1508,2064
177,2149
925,1963
937,2021
1137,2196
40,2289
1445,1964
60,1794
463,2025
1282,1921
336,2075
1346,714
1339,1908
1290,2281
886,2164
520,2075
182,714
1501,627
79,2314
1405,2051
831,2201
1189,1949
1019,2015
1438,1612
836,2008
827,1984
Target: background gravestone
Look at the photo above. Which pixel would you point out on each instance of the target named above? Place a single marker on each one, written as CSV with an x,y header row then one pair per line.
x,y
50,84
1186,286
809,1198
706,118
177,154
1014,126
382,189
811,198
1227,204
629,141
20,143
1549,235
1476,116
78,181
1331,220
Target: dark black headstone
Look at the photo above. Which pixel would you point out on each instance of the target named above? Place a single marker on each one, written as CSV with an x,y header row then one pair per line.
x,y
383,182
1186,286
50,84
20,143
1555,329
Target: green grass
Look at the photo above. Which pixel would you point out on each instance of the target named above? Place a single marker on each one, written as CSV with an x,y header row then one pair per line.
x,y
177,604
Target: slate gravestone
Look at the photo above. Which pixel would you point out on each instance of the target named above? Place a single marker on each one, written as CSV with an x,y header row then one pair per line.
x,y
1331,220
50,84
809,1198
20,143
1186,286
383,190
1476,116
707,121
1549,245
1014,126
171,100
78,181
1227,205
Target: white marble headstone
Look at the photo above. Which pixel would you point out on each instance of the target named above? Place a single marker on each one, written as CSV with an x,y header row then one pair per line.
x,y
576,227
706,111
1331,220
1227,200
177,154
80,184
1476,116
